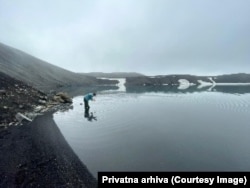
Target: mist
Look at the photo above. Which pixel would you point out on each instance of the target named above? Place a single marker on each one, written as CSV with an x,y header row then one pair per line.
x,y
206,37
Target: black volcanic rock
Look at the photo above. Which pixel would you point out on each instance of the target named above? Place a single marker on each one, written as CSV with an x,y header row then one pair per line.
x,y
37,155
17,97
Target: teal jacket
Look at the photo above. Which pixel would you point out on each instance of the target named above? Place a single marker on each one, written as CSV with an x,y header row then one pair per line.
x,y
89,96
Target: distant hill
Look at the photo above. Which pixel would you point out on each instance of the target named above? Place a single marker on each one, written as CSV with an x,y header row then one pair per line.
x,y
164,80
38,73
175,79
113,74
232,78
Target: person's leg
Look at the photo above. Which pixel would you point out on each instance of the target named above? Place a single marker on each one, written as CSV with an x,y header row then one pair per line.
x,y
86,104
86,114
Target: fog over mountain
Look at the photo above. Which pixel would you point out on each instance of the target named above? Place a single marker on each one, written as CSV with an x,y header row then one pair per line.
x,y
207,37
39,73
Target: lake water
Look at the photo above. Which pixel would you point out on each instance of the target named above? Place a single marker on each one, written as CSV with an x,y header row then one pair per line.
x,y
161,129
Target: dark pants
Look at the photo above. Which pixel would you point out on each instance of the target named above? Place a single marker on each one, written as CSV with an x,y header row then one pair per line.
x,y
86,104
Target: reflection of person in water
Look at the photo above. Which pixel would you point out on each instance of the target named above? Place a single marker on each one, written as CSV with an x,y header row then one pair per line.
x,y
90,116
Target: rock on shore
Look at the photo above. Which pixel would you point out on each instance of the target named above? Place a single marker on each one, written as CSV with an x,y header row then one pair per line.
x,y
33,152
20,101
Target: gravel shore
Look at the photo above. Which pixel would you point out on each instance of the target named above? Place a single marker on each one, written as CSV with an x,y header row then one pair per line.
x,y
37,155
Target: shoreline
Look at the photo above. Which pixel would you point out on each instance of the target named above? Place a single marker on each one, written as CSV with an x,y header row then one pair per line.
x,y
37,154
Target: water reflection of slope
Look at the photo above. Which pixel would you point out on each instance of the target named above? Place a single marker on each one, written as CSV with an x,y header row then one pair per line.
x,y
120,85
236,89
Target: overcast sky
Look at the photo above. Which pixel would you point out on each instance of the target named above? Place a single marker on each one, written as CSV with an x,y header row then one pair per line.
x,y
148,36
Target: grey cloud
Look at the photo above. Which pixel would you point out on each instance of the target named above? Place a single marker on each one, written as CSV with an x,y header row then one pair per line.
x,y
152,37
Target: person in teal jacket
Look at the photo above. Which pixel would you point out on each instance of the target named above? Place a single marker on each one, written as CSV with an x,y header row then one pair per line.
x,y
87,97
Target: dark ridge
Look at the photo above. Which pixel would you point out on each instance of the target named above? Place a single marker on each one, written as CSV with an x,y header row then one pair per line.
x,y
233,78
38,73
174,79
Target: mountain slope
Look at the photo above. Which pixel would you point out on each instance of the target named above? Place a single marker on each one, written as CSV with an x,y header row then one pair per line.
x,y
38,73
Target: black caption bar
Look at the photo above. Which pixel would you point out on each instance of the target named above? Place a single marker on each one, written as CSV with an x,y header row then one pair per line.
x,y
173,179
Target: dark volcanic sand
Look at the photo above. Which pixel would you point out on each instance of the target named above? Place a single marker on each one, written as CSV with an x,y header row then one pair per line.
x,y
37,155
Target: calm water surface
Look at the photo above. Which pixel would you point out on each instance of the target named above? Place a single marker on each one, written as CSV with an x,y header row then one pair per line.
x,y
161,131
